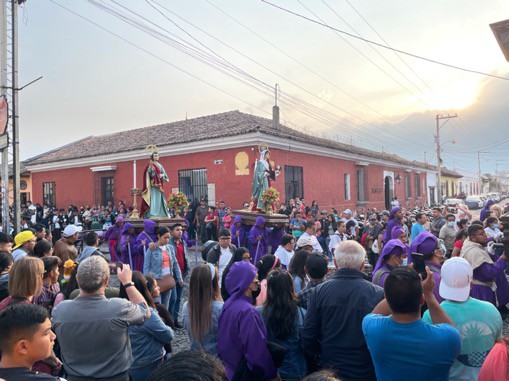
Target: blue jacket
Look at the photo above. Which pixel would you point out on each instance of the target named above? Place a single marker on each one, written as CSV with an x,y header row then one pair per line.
x,y
148,339
333,324
153,263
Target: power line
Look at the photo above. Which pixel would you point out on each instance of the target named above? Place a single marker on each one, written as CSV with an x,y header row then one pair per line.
x,y
382,45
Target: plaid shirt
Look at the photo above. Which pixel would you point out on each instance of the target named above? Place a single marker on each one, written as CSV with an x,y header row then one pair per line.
x,y
303,295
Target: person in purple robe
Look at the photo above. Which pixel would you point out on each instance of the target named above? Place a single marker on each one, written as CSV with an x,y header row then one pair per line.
x,y
433,252
127,244
395,218
258,239
274,237
112,236
394,254
143,240
238,230
488,269
241,331
185,235
485,212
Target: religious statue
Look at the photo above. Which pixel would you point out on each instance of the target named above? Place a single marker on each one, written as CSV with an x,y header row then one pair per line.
x,y
263,175
153,200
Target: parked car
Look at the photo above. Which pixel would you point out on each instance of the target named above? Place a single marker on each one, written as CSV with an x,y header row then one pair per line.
x,y
474,202
495,196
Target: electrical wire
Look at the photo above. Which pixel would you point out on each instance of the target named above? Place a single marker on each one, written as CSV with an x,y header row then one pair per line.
x,y
382,45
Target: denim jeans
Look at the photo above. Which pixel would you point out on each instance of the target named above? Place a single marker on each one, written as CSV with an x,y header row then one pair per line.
x,y
142,373
174,306
167,296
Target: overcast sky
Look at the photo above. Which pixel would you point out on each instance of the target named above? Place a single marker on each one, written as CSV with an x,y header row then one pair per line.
x,y
96,83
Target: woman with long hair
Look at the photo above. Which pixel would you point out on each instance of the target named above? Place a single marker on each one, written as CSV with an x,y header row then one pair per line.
x,y
283,319
160,261
241,254
265,265
201,313
296,270
148,339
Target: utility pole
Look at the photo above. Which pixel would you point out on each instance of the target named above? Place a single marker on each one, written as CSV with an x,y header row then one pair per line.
x,y
15,124
439,164
4,84
479,170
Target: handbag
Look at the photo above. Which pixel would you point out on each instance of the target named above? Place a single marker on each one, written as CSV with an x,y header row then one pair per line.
x,y
166,283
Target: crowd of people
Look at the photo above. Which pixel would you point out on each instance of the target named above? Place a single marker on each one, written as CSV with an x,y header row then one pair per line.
x,y
389,295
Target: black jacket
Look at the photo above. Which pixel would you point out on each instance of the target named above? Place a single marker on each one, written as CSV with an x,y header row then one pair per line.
x,y
333,324
214,254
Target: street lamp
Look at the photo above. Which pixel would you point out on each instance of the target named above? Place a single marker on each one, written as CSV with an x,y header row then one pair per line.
x,y
439,160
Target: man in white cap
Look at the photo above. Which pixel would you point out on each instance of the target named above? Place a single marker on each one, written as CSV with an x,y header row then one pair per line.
x,y
347,216
64,247
478,322
307,243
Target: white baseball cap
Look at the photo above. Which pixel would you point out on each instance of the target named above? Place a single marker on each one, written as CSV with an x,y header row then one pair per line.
x,y
456,274
348,211
307,241
71,230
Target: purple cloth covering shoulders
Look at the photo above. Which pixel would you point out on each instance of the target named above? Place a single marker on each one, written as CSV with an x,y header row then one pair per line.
x,y
241,331
259,229
146,235
241,240
274,238
491,273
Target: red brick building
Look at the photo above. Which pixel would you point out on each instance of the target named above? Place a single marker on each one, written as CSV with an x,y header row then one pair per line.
x,y
214,157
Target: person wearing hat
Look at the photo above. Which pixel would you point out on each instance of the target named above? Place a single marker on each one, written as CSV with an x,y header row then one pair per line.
x,y
316,268
258,239
434,253
64,248
309,235
479,322
395,219
24,243
26,220
347,216
241,331
307,243
394,254
112,236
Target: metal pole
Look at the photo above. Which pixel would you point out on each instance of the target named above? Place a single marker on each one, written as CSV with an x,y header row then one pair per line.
x,y
439,169
479,171
15,125
5,152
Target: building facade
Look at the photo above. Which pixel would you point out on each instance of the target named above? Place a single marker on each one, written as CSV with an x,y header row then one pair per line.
x,y
213,157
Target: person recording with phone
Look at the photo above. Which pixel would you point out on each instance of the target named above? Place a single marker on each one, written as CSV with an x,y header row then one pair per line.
x,y
402,346
433,252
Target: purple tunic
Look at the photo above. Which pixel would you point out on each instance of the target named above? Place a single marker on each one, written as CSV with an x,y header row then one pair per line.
x,y
146,235
394,246
241,331
124,249
391,225
491,273
112,236
484,211
258,250
239,241
274,239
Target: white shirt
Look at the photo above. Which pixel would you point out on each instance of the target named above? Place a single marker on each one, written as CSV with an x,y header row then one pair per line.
x,y
284,255
316,246
224,259
335,239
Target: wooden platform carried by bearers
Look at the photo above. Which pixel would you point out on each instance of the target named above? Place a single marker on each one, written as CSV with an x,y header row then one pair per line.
x,y
167,222
271,220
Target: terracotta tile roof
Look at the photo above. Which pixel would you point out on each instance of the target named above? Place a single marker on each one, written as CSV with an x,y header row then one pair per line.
x,y
226,124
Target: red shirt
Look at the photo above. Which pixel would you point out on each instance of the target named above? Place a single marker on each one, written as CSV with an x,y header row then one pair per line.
x,y
180,255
